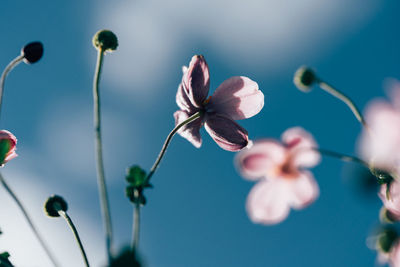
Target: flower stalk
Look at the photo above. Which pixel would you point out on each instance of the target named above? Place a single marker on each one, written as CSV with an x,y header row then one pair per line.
x,y
99,157
168,140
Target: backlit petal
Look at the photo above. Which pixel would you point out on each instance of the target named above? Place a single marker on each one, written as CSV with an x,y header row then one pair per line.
x,y
264,156
190,131
226,133
196,81
183,101
237,98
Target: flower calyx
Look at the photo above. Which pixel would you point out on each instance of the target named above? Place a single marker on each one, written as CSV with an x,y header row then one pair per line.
x,y
137,182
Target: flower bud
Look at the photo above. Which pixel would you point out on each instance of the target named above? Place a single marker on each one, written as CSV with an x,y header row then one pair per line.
x,y
304,78
105,40
386,238
54,204
385,216
7,146
32,52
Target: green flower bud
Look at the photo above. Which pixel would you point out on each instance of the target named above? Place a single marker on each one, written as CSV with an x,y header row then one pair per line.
x,y
54,204
105,41
386,238
304,78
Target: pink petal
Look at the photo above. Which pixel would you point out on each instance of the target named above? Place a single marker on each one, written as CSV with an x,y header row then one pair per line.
x,y
196,81
393,203
268,202
300,144
183,101
304,189
226,133
259,160
237,98
4,134
381,145
395,255
190,131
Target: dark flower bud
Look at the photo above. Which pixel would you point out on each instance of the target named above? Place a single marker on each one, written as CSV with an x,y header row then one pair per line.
x,y
54,204
386,216
32,52
105,40
304,78
386,239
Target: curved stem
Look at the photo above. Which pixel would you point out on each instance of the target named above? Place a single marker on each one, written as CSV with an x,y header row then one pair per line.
x,y
136,227
99,158
336,93
342,157
9,67
75,232
168,140
29,220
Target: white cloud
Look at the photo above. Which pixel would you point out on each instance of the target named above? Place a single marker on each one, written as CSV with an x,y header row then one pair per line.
x,y
257,33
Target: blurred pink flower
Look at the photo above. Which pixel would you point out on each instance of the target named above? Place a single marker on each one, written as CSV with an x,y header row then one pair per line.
x,y
380,145
235,99
7,146
283,184
391,202
394,255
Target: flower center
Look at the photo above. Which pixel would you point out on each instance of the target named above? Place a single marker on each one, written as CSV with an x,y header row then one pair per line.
x,y
205,102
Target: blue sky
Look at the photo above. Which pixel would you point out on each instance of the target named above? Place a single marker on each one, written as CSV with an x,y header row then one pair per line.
x,y
195,214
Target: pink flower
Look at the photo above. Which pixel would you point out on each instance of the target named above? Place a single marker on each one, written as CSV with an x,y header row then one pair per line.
x,y
283,183
7,146
391,201
235,99
380,145
394,255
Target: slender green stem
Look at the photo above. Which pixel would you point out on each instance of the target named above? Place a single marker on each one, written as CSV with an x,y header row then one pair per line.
x,y
75,232
101,181
336,93
9,67
168,140
342,157
136,225
29,220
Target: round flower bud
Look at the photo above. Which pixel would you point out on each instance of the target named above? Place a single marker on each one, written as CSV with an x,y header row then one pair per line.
x,y
105,40
304,78
386,238
32,52
54,204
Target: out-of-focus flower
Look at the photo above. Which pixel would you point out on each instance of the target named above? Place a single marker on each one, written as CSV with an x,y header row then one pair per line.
x,y
380,144
394,255
236,98
391,199
7,146
283,184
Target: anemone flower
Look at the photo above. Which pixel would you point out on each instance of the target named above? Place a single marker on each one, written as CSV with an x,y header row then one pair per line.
x,y
7,146
380,145
236,98
283,181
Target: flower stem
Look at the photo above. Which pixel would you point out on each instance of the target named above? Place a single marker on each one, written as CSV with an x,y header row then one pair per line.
x,y
168,140
342,157
7,70
29,220
136,226
336,93
99,157
75,232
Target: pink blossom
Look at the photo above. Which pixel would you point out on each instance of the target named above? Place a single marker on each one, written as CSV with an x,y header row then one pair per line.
x,y
235,99
394,255
391,201
7,146
380,144
283,182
